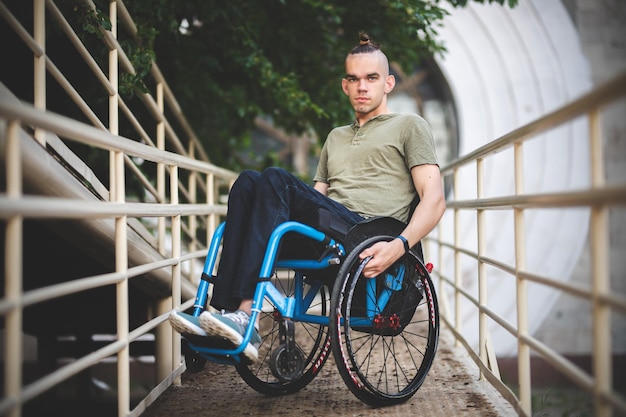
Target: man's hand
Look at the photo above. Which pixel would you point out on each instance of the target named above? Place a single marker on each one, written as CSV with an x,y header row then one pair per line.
x,y
383,254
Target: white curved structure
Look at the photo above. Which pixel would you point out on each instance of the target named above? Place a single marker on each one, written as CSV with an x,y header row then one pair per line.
x,y
507,67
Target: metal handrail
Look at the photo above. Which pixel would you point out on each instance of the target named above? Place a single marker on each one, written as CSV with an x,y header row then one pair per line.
x,y
180,209
598,197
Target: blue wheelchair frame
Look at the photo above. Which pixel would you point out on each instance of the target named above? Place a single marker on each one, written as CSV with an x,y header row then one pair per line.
x,y
291,307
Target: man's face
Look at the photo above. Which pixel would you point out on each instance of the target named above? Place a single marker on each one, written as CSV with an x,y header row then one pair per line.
x,y
367,83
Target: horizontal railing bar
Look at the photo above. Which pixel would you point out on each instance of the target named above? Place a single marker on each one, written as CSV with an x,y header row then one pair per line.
x,y
77,131
599,96
65,208
193,255
500,265
558,361
50,292
609,195
138,270
147,326
615,301
569,288
38,295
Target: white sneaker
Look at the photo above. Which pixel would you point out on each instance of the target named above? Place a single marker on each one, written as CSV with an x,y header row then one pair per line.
x,y
232,326
185,323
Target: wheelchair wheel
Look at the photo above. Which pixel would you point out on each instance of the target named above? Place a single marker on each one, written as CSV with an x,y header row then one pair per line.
x,y
280,371
194,362
384,330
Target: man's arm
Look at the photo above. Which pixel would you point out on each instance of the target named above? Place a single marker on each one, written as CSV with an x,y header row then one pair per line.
x,y
427,181
322,187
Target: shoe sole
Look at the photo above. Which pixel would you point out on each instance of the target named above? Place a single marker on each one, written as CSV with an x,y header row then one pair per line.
x,y
215,328
183,326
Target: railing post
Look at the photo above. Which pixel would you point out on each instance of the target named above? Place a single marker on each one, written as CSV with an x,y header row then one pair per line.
x,y
13,269
458,279
482,270
176,268
39,73
193,221
165,339
118,195
523,350
160,144
210,199
600,275
444,307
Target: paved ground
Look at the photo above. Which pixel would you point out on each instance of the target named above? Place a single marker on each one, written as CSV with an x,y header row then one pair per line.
x,y
451,389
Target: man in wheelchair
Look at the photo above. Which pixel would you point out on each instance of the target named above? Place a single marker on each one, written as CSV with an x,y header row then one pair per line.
x,y
376,166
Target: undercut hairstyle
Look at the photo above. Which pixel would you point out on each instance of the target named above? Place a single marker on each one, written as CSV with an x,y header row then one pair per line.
x,y
366,45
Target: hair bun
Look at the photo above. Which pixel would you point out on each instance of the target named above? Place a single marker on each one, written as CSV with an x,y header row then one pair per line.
x,y
366,45
364,38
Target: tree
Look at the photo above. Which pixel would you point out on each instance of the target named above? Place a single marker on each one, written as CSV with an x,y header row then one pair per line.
x,y
229,62
283,58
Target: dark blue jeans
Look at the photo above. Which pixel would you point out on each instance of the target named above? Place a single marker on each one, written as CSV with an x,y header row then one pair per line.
x,y
258,202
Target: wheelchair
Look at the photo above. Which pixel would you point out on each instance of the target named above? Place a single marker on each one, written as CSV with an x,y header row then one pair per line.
x,y
312,300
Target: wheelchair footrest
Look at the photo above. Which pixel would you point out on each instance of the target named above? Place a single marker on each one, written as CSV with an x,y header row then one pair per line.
x,y
214,342
199,344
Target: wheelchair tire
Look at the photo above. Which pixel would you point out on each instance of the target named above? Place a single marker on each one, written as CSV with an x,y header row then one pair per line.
x,y
312,342
386,362
194,362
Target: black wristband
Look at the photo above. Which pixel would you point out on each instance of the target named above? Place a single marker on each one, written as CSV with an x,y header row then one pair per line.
x,y
406,243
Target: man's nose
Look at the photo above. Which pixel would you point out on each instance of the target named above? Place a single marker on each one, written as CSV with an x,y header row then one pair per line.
x,y
362,85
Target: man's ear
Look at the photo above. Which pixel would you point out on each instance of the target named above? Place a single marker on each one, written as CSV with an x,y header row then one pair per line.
x,y
344,86
390,83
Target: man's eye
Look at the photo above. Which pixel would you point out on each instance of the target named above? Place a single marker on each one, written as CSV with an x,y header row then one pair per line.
x,y
372,78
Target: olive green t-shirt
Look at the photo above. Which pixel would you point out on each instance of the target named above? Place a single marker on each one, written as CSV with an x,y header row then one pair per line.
x,y
367,168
